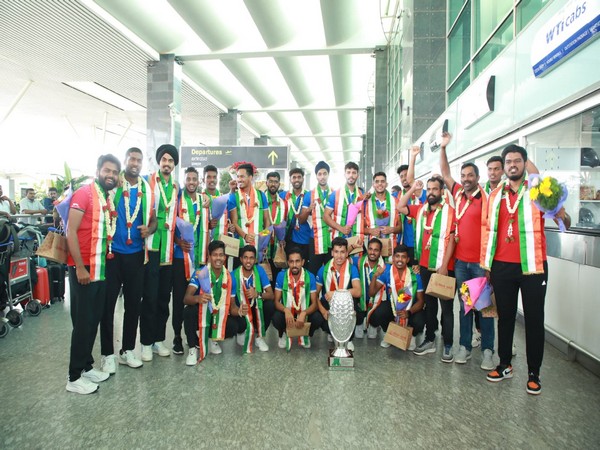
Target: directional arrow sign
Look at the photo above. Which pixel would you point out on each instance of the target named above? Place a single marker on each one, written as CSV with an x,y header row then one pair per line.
x,y
273,156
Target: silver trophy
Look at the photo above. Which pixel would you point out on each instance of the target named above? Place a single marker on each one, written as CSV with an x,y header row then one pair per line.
x,y
342,320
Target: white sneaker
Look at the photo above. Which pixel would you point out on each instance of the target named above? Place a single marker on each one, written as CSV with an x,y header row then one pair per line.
x,y
240,338
463,356
351,346
359,332
329,338
476,342
161,349
384,344
282,341
307,345
82,386
147,353
95,376
419,338
192,357
128,358
261,344
107,364
214,347
488,361
372,333
413,344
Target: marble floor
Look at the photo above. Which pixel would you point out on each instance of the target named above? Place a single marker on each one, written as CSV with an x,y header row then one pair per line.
x,y
392,399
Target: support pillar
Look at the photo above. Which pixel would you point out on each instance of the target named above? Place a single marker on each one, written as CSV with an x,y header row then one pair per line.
x,y
229,127
380,126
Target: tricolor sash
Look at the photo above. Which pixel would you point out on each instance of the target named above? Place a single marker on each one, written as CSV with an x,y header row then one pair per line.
x,y
294,206
334,279
99,241
372,214
255,320
531,228
162,239
365,274
320,229
299,300
250,213
278,213
340,211
438,237
193,212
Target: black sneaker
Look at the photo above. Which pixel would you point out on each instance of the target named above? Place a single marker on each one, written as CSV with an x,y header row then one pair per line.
x,y
534,387
178,346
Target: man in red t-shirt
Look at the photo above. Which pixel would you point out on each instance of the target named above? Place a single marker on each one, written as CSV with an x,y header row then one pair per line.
x,y
434,247
89,229
470,201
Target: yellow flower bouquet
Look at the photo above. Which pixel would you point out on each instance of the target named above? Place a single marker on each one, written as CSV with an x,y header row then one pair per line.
x,y
548,195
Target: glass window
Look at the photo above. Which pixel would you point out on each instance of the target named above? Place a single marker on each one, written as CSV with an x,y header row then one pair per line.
x,y
459,86
488,15
454,7
459,44
526,10
494,46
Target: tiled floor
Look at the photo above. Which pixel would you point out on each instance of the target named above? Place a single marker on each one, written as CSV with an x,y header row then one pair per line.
x,y
392,399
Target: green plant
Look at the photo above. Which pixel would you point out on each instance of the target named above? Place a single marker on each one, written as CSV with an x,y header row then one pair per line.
x,y
224,182
62,183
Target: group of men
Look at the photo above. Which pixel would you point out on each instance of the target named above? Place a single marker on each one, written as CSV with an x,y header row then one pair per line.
x,y
154,241
28,205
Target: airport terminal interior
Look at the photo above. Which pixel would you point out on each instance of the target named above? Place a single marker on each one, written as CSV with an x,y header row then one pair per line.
x,y
287,85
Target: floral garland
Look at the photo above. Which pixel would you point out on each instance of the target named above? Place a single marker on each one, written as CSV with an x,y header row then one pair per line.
x,y
461,213
428,228
110,217
296,288
512,209
222,300
130,217
169,209
186,213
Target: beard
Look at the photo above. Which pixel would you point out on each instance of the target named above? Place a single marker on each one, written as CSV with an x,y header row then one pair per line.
x,y
432,200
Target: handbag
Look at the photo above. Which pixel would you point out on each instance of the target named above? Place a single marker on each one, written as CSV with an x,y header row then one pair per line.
x,y
54,248
280,259
267,268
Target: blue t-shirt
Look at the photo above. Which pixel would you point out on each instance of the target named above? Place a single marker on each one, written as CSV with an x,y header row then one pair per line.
x,y
408,229
264,279
119,244
195,281
384,279
321,279
281,276
231,203
301,232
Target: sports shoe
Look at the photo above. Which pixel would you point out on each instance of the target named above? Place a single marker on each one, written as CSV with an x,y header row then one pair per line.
x,y
384,344
419,338
82,386
359,332
177,346
282,341
128,358
214,347
192,357
372,333
476,342
147,353
500,373
463,355
447,355
329,338
351,346
307,345
160,349
261,344
488,362
107,364
425,348
95,376
412,345
240,338
534,387
514,350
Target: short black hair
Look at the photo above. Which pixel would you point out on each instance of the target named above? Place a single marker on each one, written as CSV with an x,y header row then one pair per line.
x,y
351,165
131,150
339,242
375,241
210,168
438,180
470,164
401,248
248,248
402,168
215,245
495,158
396,188
380,174
28,190
191,170
274,175
248,168
513,148
108,158
296,170
292,250
52,189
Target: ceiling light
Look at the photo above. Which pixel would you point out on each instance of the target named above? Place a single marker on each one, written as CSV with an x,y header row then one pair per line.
x,y
105,95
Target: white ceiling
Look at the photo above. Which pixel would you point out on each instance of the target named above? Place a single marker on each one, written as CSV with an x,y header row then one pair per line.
x,y
298,71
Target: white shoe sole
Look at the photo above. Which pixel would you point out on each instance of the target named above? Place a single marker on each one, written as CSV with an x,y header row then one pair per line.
x,y
77,390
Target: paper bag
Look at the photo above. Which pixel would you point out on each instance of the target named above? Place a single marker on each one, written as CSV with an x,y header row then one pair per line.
x,y
387,247
398,336
267,267
298,332
441,286
280,260
490,311
232,245
54,248
353,241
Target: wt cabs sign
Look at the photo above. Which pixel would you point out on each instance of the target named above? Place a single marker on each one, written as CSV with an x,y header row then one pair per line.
x,y
221,156
574,26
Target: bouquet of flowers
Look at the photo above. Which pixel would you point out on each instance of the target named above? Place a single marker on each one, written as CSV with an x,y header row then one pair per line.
x,y
204,278
280,230
382,218
263,240
218,206
476,293
235,166
354,209
548,195
404,298
186,232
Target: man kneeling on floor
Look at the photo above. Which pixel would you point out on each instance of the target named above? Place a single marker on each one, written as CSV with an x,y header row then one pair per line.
x,y
398,278
215,314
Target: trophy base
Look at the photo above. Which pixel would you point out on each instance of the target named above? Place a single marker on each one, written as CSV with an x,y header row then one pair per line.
x,y
340,362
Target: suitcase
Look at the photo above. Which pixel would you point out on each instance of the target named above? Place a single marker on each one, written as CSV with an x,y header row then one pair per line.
x,y
41,290
56,274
